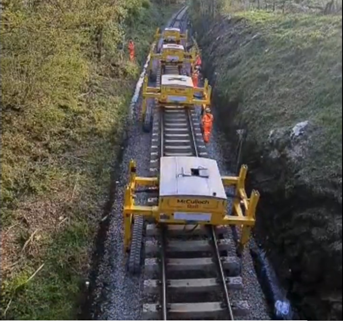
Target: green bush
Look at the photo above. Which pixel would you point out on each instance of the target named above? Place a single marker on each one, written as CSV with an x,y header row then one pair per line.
x,y
64,66
146,4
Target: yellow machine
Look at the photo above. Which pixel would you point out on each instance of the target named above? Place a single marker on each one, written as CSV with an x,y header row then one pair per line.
x,y
175,91
172,55
171,35
189,189
192,191
178,91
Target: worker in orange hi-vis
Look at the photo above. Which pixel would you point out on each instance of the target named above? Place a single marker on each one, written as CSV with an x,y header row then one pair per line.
x,y
198,61
131,50
207,124
195,78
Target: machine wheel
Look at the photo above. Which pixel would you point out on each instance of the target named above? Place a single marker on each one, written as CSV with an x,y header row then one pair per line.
x,y
152,76
134,262
147,122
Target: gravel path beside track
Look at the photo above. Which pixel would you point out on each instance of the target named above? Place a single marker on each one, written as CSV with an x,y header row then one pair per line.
x,y
122,293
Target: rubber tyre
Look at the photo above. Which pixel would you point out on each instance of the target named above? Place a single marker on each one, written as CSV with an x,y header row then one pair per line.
x,y
152,76
135,257
147,122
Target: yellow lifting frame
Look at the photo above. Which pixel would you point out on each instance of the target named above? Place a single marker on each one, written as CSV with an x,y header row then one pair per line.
x,y
196,47
155,92
245,219
165,34
188,57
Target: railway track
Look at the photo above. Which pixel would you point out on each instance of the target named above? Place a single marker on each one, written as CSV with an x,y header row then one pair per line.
x,y
176,132
134,261
188,274
188,270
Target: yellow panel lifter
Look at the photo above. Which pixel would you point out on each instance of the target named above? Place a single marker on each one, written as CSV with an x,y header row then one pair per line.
x,y
171,35
192,191
176,91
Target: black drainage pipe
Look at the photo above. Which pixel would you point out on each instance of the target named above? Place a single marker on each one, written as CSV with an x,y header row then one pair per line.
x,y
275,294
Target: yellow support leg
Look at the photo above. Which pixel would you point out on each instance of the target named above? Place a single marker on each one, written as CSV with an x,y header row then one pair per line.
x,y
254,198
244,239
240,184
132,171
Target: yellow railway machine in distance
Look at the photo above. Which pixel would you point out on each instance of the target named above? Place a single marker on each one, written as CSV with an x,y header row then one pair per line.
x,y
175,91
170,55
192,191
174,55
171,35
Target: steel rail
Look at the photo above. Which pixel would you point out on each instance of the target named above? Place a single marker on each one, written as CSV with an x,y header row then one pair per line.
x,y
164,285
191,125
161,115
222,274
164,275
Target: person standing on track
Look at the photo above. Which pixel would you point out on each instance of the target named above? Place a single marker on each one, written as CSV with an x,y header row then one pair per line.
x,y
198,61
195,79
131,50
207,124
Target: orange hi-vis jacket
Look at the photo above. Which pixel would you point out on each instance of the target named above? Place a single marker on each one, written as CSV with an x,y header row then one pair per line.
x,y
207,124
198,61
195,78
131,50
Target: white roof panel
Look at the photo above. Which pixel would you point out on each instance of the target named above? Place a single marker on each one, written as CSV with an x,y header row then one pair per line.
x,y
192,177
176,80
172,29
173,46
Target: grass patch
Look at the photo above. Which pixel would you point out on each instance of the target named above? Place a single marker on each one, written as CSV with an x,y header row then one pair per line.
x,y
272,72
286,69
67,85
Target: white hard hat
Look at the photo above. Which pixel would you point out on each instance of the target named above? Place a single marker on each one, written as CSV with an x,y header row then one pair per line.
x,y
207,110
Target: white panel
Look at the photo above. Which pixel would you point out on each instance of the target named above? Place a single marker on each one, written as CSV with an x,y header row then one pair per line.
x,y
193,217
174,99
172,58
